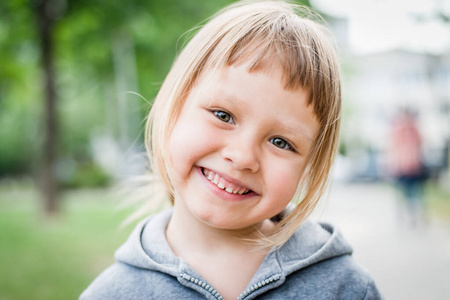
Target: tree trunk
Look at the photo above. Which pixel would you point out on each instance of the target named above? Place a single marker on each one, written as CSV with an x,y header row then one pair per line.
x,y
49,181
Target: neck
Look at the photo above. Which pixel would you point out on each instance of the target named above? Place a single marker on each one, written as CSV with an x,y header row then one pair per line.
x,y
186,233
208,249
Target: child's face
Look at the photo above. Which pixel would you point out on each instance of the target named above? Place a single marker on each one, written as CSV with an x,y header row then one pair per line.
x,y
239,147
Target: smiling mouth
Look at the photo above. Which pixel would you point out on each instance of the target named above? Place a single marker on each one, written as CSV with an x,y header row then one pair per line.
x,y
224,184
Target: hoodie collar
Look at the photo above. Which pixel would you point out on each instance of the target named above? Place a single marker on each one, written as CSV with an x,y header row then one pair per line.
x,y
147,248
311,243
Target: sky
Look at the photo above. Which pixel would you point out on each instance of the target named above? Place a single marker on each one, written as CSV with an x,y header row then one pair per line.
x,y
379,25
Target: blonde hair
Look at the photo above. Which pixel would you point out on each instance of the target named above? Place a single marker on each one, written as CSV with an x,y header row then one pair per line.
x,y
254,32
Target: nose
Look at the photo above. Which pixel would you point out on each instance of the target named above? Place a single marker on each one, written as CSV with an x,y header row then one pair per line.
x,y
242,153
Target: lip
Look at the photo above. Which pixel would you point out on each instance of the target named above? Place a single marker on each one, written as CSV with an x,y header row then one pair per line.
x,y
222,193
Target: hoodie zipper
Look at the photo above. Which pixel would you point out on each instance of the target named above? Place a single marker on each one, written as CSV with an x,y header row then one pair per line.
x,y
257,286
202,284
243,295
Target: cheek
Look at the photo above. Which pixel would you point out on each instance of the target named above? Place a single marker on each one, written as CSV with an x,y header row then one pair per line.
x,y
180,143
285,183
177,141
188,142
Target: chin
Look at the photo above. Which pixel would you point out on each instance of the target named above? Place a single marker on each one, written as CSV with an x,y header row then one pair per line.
x,y
222,221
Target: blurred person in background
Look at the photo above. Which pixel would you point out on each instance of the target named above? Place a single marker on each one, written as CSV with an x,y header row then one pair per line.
x,y
407,167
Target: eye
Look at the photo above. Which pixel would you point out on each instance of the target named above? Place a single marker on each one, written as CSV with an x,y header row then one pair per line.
x,y
223,116
281,143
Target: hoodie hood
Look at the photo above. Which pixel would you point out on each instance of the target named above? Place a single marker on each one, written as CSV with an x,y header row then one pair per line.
x,y
147,248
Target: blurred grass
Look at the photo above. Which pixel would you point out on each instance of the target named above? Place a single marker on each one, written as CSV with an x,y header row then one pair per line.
x,y
56,258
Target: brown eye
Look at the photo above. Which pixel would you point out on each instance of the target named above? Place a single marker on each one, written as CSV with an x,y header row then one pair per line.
x,y
223,116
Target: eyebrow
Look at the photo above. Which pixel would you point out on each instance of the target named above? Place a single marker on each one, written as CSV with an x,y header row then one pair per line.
x,y
301,130
227,96
224,95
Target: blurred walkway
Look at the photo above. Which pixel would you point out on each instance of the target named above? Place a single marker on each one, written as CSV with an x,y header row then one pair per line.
x,y
407,263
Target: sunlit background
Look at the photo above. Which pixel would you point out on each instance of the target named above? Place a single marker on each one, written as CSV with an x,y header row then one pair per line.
x,y
78,77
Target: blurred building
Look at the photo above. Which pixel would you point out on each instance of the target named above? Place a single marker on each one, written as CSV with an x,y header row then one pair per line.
x,y
375,87
378,85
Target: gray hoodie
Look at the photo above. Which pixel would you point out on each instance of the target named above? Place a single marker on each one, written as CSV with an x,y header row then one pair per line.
x,y
314,264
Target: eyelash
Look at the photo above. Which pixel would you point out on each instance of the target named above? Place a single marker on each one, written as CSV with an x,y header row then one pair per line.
x,y
216,113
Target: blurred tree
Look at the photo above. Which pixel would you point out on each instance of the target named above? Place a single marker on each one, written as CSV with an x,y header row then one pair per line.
x,y
47,12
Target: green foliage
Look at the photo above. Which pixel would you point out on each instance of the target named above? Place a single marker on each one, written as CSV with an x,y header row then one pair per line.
x,y
19,107
87,175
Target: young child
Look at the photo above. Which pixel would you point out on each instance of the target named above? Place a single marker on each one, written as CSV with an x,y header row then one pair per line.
x,y
243,134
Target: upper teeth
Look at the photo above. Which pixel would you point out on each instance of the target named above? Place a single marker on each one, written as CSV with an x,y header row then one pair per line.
x,y
223,184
